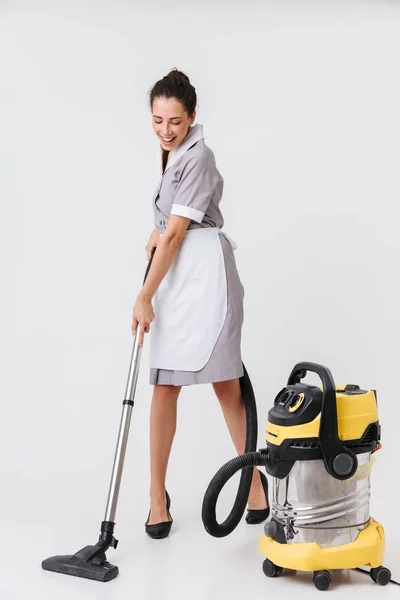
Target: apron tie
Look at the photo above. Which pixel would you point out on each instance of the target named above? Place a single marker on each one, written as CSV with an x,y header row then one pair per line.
x,y
230,240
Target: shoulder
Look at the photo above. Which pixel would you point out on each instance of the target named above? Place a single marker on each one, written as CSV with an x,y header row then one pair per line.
x,y
201,152
198,157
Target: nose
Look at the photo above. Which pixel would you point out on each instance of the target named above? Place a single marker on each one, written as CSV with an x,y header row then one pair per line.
x,y
165,127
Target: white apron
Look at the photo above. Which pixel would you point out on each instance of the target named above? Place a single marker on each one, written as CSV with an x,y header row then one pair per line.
x,y
190,304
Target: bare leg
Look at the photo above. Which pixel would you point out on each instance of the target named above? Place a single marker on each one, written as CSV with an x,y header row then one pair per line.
x,y
230,398
162,431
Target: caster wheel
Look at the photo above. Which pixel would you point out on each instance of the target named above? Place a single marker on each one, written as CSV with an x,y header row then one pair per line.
x,y
270,569
322,580
381,575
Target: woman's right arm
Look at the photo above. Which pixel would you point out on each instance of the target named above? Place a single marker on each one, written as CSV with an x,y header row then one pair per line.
x,y
153,242
168,247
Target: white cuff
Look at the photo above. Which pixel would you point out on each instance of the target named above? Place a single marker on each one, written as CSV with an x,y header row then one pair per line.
x,y
187,211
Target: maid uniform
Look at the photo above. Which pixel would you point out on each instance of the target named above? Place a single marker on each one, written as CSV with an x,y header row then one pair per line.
x,y
196,333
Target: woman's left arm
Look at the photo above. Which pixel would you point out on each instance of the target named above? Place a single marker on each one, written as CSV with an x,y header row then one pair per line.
x,y
164,256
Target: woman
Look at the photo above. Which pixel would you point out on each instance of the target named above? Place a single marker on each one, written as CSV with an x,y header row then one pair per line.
x,y
197,293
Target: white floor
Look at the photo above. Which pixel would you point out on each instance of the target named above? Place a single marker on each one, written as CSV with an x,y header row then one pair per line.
x,y
54,487
189,563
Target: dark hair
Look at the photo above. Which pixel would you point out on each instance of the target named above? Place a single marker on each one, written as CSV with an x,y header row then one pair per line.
x,y
175,85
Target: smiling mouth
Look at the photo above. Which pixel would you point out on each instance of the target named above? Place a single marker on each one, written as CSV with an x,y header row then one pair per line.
x,y
168,140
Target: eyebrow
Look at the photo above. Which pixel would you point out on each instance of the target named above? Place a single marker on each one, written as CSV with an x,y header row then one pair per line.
x,y
171,119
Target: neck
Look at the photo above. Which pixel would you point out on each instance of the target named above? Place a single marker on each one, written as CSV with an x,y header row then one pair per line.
x,y
165,155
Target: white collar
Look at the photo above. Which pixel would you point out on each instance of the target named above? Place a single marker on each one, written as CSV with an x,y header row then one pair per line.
x,y
195,134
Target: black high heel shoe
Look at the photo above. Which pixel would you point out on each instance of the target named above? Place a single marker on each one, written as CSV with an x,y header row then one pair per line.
x,y
160,530
253,516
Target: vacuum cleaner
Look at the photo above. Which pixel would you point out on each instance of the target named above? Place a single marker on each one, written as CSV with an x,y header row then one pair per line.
x,y
319,452
320,443
91,561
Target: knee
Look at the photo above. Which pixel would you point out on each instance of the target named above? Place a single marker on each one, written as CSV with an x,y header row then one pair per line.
x,y
166,393
228,392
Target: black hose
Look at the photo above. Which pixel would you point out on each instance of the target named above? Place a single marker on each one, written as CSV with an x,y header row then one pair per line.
x,y
251,458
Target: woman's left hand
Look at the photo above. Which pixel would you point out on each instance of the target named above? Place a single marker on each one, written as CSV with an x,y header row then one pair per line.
x,y
143,315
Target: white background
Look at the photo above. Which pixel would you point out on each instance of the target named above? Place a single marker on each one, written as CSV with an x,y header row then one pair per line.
x,y
300,104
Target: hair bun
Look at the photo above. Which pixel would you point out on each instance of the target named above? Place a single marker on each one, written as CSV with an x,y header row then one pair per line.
x,y
176,73
175,85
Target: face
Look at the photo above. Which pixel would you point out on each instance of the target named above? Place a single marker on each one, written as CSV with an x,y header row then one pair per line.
x,y
171,122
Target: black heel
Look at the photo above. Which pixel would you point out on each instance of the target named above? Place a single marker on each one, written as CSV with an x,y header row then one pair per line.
x,y
253,516
160,530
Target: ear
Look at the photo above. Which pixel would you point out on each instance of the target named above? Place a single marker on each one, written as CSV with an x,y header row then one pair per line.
x,y
192,118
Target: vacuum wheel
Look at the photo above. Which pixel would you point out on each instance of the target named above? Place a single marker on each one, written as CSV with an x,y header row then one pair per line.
x,y
270,569
322,580
381,575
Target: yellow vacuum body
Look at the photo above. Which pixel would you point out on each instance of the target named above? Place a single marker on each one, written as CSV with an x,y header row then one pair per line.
x,y
320,445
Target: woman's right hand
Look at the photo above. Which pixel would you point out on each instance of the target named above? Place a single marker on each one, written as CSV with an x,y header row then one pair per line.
x,y
153,242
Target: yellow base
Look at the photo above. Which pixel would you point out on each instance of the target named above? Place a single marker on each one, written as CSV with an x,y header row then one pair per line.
x,y
367,549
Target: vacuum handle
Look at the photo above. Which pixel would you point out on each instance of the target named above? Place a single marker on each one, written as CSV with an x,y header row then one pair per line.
x,y
128,403
136,352
149,263
300,371
340,462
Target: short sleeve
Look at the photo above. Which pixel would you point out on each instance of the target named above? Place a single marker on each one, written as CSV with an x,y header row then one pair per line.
x,y
196,186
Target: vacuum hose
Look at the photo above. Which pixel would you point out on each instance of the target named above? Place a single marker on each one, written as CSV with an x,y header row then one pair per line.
x,y
250,458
